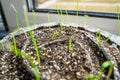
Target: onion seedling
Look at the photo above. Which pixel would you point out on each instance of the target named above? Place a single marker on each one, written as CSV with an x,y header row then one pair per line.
x,y
77,11
90,76
106,40
54,35
29,58
66,11
85,19
98,36
48,15
70,44
34,18
16,16
59,16
32,37
1,44
105,65
15,46
118,15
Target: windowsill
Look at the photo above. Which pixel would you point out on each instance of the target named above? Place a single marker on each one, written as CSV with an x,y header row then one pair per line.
x,y
80,13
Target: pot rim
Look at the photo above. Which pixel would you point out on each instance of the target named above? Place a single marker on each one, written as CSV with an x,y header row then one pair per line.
x,y
113,37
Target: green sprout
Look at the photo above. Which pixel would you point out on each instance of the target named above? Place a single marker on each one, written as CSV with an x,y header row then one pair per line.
x,y
107,39
16,16
59,16
77,11
1,44
54,35
29,58
70,44
90,76
118,15
32,36
105,65
98,36
48,15
36,73
66,11
34,18
15,46
85,19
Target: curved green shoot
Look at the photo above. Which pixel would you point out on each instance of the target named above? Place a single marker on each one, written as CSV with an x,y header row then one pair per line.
x,y
16,16
54,35
32,36
90,76
70,44
98,36
103,67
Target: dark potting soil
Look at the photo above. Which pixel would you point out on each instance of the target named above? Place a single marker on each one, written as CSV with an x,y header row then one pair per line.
x,y
57,62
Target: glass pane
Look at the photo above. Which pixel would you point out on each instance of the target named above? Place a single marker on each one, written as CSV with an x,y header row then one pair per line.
x,y
30,4
84,5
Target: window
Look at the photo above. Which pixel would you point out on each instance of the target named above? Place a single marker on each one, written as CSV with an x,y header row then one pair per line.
x,y
105,8
3,24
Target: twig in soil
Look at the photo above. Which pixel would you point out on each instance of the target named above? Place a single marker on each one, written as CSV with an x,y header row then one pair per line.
x,y
88,55
70,44
26,43
54,35
51,42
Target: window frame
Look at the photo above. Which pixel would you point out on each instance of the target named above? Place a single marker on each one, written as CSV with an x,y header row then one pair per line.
x,y
73,12
4,18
